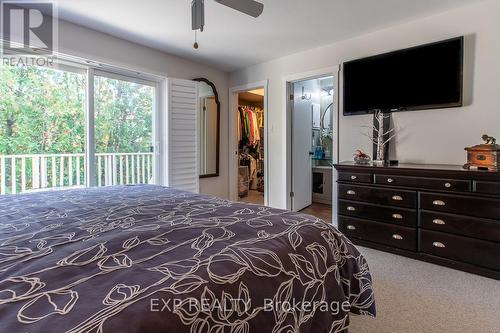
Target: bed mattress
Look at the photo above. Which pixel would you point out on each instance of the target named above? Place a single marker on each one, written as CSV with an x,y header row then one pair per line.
x,y
148,258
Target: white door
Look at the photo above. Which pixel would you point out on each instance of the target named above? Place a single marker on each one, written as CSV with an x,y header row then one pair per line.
x,y
182,127
302,114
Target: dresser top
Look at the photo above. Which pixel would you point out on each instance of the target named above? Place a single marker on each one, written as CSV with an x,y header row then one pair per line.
x,y
444,167
428,169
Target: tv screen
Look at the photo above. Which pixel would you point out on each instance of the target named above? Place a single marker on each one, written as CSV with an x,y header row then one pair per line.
x,y
423,77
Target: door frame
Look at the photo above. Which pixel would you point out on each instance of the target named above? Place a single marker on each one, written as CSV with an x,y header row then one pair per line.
x,y
233,137
287,82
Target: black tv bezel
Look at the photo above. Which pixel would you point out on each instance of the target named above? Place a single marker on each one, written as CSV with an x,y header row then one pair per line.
x,y
461,39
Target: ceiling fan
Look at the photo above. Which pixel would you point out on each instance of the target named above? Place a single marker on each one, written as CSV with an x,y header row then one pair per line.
x,y
249,7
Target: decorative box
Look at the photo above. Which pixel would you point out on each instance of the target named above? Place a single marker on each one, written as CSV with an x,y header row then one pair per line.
x,y
483,157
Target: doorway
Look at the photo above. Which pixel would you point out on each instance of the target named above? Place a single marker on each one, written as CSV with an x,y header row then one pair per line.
x,y
313,145
250,141
257,100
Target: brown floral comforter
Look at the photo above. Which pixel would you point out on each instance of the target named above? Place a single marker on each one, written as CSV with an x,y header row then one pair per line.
x,y
154,259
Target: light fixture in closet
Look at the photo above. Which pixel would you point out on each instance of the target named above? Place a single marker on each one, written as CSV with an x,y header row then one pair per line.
x,y
249,7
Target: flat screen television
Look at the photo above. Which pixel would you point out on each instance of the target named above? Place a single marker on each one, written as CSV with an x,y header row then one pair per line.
x,y
419,78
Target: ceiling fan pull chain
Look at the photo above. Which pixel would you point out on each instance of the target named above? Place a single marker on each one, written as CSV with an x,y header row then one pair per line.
x,y
195,45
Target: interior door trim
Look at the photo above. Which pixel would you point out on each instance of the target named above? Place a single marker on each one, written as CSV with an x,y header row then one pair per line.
x,y
286,80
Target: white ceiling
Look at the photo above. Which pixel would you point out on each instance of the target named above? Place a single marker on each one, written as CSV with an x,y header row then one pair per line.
x,y
232,40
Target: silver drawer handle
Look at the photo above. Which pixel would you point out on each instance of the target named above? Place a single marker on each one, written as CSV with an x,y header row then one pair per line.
x,y
438,244
351,227
397,216
438,222
398,237
351,192
447,185
397,198
439,203
354,177
351,209
390,180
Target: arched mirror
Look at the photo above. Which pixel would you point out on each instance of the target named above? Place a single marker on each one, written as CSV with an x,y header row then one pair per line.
x,y
208,128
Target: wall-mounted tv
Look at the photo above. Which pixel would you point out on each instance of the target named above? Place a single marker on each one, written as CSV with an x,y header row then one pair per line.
x,y
419,78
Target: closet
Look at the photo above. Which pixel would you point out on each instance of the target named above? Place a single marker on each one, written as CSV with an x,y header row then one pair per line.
x,y
251,146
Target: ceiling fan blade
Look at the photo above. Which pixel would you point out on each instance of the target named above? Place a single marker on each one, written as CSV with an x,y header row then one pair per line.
x,y
249,7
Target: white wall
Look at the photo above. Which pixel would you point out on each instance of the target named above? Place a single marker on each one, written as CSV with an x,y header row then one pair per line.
x,y
86,43
424,136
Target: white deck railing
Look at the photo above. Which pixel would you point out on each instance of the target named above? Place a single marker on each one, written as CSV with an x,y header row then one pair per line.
x,y
23,173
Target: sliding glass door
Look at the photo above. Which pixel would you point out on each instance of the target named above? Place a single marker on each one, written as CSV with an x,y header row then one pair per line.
x,y
123,131
43,128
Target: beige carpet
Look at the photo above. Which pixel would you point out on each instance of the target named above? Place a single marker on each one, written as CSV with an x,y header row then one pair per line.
x,y
414,296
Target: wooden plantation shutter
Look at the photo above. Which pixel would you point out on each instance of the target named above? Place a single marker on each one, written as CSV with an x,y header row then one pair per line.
x,y
182,125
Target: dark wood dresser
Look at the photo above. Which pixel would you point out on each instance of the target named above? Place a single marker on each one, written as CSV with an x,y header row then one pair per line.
x,y
438,213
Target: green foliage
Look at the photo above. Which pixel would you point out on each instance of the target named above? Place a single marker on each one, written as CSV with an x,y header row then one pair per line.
x,y
42,111
123,116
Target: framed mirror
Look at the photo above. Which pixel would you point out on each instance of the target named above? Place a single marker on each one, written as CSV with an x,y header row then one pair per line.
x,y
208,128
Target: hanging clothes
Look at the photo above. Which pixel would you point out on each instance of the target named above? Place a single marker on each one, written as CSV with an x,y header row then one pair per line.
x,y
250,122
249,130
243,132
260,115
255,127
239,125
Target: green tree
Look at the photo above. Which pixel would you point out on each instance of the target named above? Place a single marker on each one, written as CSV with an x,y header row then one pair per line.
x,y
123,116
42,111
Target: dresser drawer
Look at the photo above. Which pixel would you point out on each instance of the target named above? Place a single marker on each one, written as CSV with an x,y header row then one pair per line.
x,y
461,225
387,234
399,216
487,187
380,196
366,178
460,204
427,183
463,249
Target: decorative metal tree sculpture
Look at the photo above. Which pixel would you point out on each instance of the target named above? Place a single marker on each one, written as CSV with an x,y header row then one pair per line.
x,y
381,136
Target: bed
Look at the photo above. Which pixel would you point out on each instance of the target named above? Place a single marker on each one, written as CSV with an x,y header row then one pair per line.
x,y
147,258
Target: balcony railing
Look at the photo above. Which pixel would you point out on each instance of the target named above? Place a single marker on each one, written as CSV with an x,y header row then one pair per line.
x,y
24,173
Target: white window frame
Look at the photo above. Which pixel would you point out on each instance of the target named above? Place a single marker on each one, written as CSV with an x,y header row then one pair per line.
x,y
92,69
